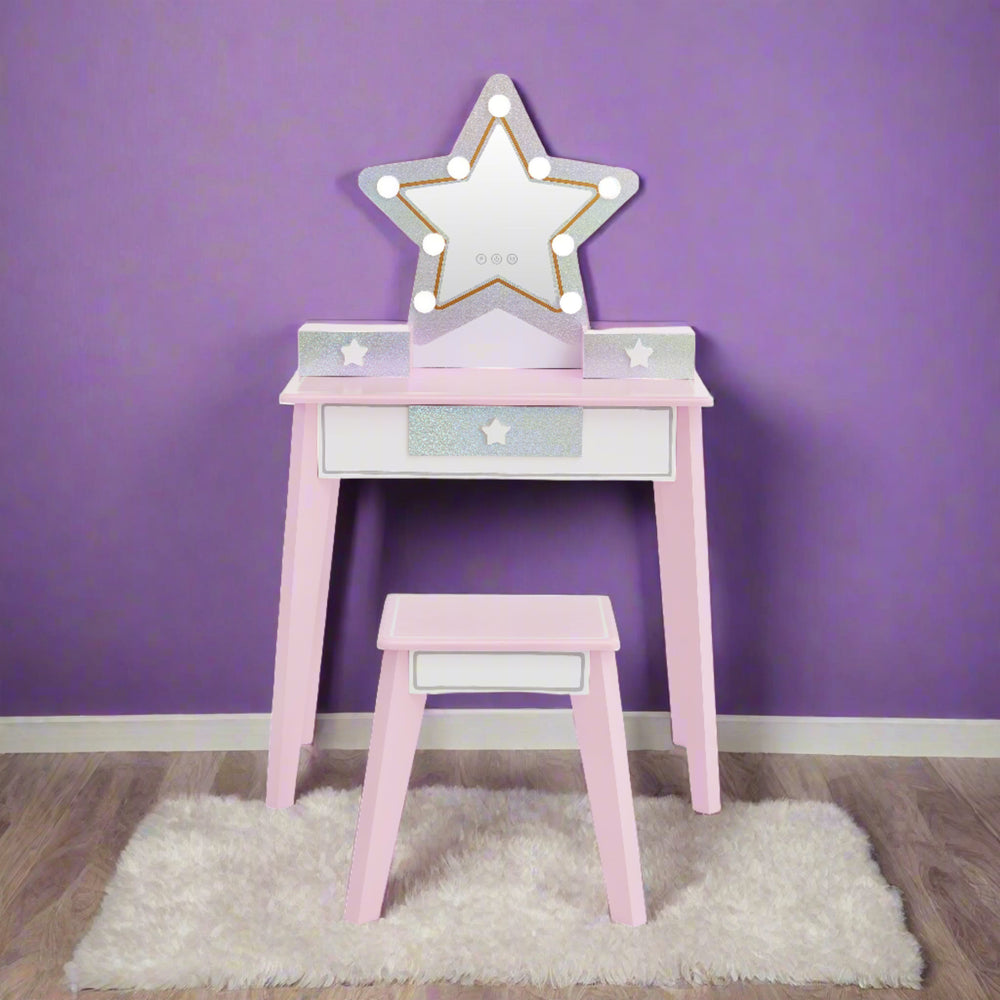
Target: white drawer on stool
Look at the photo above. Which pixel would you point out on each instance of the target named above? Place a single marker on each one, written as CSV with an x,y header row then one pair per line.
x,y
536,673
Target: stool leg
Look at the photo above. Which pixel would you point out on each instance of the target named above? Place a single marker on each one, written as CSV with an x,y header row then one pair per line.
x,y
303,563
682,540
395,729
600,731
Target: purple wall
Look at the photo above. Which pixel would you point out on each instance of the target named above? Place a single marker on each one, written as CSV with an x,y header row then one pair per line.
x,y
821,188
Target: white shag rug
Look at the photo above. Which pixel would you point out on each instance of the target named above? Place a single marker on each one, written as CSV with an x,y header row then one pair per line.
x,y
494,887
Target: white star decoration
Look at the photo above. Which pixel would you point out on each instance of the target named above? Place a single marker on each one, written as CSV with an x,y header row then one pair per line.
x,y
496,432
354,353
498,221
638,354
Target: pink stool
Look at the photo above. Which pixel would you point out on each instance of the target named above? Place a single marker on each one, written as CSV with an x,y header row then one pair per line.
x,y
473,642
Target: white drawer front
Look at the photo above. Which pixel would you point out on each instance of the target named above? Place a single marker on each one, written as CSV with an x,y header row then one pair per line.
x,y
373,441
538,673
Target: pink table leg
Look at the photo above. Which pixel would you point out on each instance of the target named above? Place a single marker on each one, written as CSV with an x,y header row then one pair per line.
x,y
315,661
305,564
600,731
395,731
682,540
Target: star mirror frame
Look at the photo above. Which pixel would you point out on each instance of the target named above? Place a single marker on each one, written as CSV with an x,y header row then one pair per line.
x,y
498,222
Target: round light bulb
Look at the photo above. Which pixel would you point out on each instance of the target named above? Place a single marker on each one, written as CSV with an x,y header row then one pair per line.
x,y
610,187
539,168
499,106
433,244
387,186
424,302
571,303
458,167
563,245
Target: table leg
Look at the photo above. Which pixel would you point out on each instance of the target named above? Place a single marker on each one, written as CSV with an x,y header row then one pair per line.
x,y
305,563
311,693
682,541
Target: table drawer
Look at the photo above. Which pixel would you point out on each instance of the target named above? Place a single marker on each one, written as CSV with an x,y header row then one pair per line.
x,y
388,442
526,431
537,673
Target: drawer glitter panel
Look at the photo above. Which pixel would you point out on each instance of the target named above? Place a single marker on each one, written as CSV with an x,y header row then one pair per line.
x,y
354,349
526,431
665,352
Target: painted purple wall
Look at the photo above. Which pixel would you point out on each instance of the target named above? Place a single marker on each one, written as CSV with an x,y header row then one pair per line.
x,y
821,189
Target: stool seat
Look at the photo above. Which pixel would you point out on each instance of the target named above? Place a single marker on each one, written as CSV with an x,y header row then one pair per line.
x,y
539,623
497,642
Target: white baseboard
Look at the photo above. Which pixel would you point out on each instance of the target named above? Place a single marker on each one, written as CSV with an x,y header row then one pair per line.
x,y
500,729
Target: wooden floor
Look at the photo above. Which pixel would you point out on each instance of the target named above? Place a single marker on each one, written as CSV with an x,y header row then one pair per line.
x,y
935,825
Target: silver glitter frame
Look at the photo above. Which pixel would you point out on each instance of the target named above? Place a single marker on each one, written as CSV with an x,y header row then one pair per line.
x,y
496,293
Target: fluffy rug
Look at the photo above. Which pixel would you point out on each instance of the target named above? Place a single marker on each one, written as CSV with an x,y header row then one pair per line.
x,y
495,887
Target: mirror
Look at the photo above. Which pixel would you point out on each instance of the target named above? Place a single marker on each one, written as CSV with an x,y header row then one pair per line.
x,y
498,222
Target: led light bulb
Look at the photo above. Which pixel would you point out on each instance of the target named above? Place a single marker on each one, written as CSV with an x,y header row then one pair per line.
x,y
433,244
563,245
610,187
571,303
387,186
458,167
499,106
539,168
424,302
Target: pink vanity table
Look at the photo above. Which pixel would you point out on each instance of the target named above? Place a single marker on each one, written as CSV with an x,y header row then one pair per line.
x,y
629,429
497,374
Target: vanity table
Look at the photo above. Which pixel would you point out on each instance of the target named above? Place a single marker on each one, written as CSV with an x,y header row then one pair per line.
x,y
628,429
497,374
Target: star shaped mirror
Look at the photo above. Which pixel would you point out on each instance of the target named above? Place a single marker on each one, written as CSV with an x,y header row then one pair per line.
x,y
498,222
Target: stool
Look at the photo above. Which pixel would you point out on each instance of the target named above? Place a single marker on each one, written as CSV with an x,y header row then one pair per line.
x,y
433,643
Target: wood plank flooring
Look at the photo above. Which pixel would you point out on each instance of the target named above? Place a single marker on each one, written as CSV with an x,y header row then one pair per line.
x,y
934,824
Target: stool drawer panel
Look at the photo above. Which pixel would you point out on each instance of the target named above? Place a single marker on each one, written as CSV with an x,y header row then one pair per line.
x,y
526,431
540,673
615,443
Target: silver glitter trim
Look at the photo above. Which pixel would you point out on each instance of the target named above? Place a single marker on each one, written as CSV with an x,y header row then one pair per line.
x,y
605,352
542,431
388,349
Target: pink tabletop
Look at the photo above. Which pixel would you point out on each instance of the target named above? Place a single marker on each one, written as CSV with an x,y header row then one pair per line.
x,y
496,387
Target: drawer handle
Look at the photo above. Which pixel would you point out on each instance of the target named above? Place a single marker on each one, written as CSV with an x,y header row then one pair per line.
x,y
496,432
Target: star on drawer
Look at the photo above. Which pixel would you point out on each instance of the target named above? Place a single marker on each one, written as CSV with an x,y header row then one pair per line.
x,y
638,354
496,432
354,353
